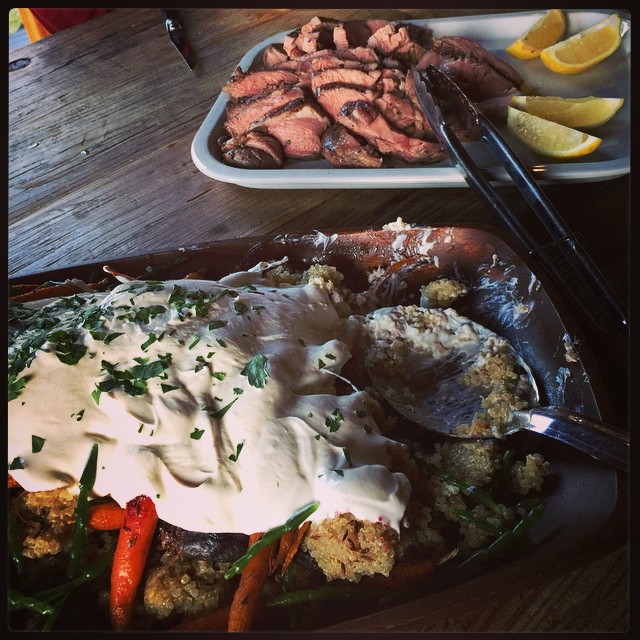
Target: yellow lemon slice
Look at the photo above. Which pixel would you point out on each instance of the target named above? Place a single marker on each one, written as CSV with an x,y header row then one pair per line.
x,y
545,32
585,49
550,138
578,113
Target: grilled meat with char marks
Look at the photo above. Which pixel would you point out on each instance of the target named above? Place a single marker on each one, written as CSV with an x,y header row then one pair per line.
x,y
343,149
356,74
252,151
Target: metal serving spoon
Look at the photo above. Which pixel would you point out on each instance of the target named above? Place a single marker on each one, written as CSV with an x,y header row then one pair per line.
x,y
425,382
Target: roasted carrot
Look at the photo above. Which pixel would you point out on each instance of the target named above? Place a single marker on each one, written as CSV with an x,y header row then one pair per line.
x,y
52,291
252,579
284,543
216,620
295,545
106,516
132,549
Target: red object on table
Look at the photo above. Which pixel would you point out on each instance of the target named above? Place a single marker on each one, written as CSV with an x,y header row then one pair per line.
x,y
40,23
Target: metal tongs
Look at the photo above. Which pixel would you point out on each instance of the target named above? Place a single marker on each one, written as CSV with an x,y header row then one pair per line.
x,y
434,87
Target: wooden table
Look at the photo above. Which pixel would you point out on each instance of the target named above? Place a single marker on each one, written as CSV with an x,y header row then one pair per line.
x,y
101,122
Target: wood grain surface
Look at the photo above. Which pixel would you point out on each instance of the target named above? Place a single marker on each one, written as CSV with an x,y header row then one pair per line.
x,y
101,122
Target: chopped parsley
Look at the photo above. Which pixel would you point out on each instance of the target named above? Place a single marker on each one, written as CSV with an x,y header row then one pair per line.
x,y
196,434
234,456
333,421
37,443
132,381
256,371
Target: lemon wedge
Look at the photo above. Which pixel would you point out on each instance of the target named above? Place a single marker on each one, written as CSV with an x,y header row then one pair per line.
x,y
585,49
549,138
578,113
545,32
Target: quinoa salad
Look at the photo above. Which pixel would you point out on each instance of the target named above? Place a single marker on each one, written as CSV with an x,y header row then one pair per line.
x,y
211,455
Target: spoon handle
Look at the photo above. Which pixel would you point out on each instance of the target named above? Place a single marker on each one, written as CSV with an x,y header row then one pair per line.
x,y
601,441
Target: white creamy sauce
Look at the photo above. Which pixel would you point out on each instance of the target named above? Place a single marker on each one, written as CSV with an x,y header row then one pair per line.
x,y
217,448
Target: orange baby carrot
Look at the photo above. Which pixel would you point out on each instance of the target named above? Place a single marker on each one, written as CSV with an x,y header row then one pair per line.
x,y
252,579
106,516
130,558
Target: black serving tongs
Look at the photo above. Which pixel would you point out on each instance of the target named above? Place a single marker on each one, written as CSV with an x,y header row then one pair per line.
x,y
433,88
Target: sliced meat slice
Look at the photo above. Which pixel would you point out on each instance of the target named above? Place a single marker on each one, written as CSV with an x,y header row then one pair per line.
x,y
274,55
459,47
316,35
290,44
475,77
403,42
243,115
355,33
343,149
348,76
364,119
402,113
332,97
299,130
318,23
243,85
360,57
253,151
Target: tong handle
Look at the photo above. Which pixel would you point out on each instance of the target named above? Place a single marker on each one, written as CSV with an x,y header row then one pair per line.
x,y
554,224
473,176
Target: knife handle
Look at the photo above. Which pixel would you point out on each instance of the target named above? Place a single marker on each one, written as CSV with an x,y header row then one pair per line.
x,y
171,21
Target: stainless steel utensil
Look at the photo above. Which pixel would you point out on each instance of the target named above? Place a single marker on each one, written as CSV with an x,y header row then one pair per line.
x,y
434,88
430,390
177,36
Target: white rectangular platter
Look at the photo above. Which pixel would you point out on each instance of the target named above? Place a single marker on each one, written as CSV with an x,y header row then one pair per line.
x,y
611,79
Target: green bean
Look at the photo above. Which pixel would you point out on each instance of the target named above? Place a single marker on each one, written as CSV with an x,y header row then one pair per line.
x,y
14,550
49,603
480,523
88,574
87,480
271,536
20,602
472,490
506,539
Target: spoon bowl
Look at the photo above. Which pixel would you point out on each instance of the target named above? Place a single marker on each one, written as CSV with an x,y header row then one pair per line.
x,y
452,375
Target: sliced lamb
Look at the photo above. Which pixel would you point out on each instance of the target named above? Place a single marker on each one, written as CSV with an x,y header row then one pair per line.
x,y
364,119
402,113
316,35
355,33
332,97
274,55
342,149
355,77
290,44
252,151
243,85
465,47
299,130
318,23
361,58
476,78
403,42
242,115
480,74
